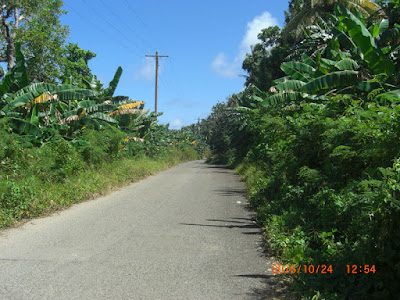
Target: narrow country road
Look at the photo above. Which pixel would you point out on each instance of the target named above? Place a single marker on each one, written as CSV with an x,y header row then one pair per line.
x,y
182,234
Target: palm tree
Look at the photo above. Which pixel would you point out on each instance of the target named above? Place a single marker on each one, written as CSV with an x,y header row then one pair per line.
x,y
310,9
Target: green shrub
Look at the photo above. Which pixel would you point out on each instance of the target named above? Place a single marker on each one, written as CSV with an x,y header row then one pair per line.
x,y
67,160
93,155
107,140
16,198
325,183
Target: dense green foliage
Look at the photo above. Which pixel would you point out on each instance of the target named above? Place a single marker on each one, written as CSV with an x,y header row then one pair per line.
x,y
319,149
38,180
75,67
63,143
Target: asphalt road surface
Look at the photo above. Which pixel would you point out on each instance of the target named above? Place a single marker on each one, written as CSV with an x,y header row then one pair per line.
x,y
182,234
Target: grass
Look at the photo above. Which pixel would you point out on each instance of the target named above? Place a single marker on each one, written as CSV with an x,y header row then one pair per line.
x,y
30,195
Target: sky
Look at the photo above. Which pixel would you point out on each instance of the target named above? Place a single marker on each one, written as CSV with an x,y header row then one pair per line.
x,y
206,42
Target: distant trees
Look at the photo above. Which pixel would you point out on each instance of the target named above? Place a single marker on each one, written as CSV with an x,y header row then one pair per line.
x,y
36,25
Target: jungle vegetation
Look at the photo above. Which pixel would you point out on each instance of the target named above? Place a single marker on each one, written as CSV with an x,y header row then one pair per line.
x,y
315,135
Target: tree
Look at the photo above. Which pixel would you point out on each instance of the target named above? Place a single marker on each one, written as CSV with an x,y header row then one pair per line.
x,y
35,24
351,62
263,64
75,69
304,12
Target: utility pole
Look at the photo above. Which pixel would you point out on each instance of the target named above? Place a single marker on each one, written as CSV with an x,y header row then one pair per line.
x,y
156,93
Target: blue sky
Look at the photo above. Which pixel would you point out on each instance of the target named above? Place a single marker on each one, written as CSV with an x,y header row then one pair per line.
x,y
206,42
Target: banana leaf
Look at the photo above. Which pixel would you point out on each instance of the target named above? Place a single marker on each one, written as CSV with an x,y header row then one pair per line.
x,y
330,81
39,87
103,117
92,85
309,61
17,77
373,56
297,70
86,103
109,92
34,117
290,85
34,90
21,100
374,30
282,97
383,25
75,94
368,86
347,64
328,64
24,126
389,35
344,39
21,74
117,99
100,108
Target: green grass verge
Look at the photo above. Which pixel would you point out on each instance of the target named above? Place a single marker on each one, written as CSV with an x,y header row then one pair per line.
x,y
28,195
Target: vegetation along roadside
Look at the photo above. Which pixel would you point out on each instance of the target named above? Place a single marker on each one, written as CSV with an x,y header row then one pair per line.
x,y
64,137
315,136
60,143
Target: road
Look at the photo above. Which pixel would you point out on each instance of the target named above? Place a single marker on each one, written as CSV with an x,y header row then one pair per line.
x,y
182,234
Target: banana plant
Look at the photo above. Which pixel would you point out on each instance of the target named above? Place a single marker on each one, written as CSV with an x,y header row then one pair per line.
x,y
17,77
42,107
109,92
352,63
36,110
365,41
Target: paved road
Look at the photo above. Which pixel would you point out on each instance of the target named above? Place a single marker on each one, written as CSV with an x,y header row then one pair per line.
x,y
183,234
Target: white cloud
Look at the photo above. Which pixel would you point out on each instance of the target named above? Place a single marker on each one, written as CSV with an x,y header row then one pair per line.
x,y
253,29
176,124
147,69
223,67
231,69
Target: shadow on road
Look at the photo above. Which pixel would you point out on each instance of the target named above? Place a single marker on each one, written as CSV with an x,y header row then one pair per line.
x,y
229,192
207,166
215,168
276,287
231,224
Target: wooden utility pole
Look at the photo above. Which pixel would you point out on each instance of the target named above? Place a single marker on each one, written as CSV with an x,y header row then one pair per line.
x,y
156,93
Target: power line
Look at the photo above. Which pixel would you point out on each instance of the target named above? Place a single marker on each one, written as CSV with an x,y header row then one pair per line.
x,y
169,80
124,37
136,14
87,19
112,36
126,24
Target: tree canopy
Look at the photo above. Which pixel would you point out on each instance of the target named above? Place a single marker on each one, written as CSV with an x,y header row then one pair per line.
x,y
36,25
